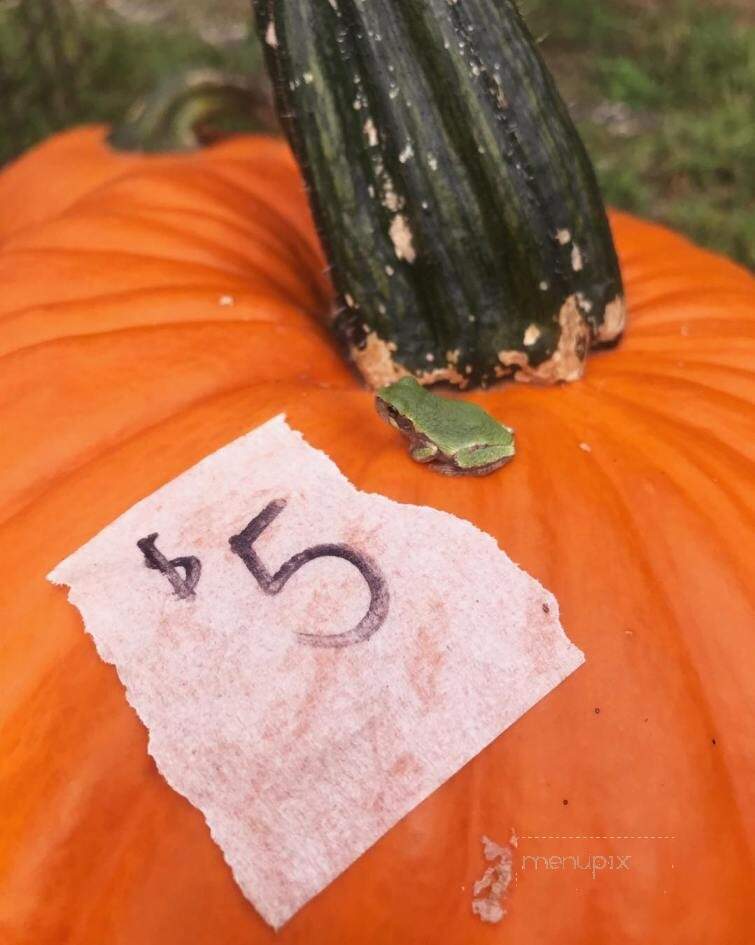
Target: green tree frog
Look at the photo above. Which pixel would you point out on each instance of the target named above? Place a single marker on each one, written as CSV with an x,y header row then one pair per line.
x,y
453,437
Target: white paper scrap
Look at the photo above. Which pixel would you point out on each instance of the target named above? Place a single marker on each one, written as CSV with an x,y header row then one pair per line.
x,y
311,661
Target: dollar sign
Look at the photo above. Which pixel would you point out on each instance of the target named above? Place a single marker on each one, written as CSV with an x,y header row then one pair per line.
x,y
183,584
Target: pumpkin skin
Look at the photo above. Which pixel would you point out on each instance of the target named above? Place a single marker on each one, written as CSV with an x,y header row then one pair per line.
x,y
121,369
71,164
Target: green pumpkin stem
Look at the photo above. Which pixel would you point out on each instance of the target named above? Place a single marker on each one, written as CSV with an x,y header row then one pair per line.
x,y
454,198
184,112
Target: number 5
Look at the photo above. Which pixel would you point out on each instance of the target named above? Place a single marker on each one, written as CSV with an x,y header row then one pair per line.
x,y
243,545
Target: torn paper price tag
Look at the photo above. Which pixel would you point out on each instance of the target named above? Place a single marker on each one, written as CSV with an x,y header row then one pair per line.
x,y
311,661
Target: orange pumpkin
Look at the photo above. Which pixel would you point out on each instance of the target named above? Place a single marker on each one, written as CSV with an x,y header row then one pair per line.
x,y
171,305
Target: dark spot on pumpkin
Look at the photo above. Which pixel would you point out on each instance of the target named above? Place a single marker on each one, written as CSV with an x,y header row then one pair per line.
x,y
546,609
597,710
565,802
713,741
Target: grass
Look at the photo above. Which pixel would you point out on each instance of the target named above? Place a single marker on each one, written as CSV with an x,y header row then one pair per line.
x,y
64,63
662,93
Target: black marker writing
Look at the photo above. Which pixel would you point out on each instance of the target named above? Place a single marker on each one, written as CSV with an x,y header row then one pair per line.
x,y
242,545
184,584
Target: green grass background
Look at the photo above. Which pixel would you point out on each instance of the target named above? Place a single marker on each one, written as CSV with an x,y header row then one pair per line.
x,y
662,91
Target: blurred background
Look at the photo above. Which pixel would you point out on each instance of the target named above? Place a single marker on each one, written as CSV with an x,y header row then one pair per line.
x,y
663,91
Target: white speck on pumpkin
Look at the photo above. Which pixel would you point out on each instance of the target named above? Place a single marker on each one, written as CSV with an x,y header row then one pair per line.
x,y
490,889
226,300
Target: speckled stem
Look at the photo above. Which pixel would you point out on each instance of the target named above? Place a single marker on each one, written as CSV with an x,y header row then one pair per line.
x,y
454,198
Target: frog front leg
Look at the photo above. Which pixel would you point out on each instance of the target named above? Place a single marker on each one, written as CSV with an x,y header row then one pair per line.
x,y
423,452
